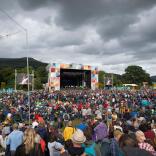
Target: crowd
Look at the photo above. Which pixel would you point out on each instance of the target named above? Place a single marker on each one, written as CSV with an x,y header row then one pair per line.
x,y
78,123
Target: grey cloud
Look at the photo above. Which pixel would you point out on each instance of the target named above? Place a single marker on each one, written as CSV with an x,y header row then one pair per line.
x,y
77,13
32,4
115,26
60,36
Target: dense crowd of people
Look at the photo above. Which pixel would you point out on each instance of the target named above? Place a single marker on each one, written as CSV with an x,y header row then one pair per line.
x,y
78,123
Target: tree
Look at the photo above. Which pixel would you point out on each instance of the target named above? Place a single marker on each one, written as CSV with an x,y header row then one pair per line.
x,y
117,80
101,79
135,74
7,76
41,73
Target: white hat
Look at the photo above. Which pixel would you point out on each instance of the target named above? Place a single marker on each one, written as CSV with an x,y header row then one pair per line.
x,y
78,137
99,116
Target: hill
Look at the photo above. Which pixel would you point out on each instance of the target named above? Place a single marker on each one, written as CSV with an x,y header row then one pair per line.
x,y
20,62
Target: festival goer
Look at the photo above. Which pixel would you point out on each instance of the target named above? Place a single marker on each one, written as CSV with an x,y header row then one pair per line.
x,y
54,146
130,147
68,131
142,144
91,148
100,130
114,145
15,138
29,147
75,149
82,126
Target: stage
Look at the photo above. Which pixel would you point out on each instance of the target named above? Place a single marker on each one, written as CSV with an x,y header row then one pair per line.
x,y
75,78
63,76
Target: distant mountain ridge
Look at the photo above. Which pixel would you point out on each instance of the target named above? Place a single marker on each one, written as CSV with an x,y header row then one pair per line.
x,y
20,62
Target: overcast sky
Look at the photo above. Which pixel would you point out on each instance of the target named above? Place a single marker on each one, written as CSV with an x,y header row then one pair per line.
x,y
111,34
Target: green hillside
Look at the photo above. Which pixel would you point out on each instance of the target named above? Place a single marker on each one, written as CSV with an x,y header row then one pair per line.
x,y
20,62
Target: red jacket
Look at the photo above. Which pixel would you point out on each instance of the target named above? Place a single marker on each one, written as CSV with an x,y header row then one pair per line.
x,y
42,142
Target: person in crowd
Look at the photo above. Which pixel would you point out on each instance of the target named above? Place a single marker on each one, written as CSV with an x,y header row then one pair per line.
x,y
29,147
130,147
134,125
54,146
82,126
142,144
114,145
75,149
68,131
114,116
42,131
2,116
15,138
40,141
66,118
3,138
91,148
100,130
149,134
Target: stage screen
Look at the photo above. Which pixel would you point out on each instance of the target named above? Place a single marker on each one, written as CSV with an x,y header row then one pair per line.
x,y
75,78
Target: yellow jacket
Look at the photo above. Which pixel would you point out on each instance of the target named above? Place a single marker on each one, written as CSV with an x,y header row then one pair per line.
x,y
68,132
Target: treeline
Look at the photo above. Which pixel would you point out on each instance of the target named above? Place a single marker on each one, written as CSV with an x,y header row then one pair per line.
x,y
133,75
7,72
7,77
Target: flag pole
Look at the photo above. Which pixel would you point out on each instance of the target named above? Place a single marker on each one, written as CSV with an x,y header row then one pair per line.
x,y
28,75
32,80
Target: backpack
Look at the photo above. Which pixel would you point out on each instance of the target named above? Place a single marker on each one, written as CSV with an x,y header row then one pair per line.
x,y
105,147
90,151
100,132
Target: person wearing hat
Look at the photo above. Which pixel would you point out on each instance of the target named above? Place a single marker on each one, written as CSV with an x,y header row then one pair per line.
x,y
76,148
82,126
68,131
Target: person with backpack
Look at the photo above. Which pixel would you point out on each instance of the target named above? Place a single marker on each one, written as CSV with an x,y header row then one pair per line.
x,y
68,131
91,148
100,130
114,145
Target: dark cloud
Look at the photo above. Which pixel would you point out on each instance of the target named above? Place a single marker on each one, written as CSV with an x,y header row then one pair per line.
x,y
115,26
77,13
32,4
